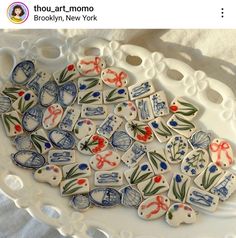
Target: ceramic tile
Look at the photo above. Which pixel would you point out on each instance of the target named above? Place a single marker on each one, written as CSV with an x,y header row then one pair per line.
x,y
115,95
70,187
76,170
95,112
108,178
90,97
144,109
61,157
127,110
159,104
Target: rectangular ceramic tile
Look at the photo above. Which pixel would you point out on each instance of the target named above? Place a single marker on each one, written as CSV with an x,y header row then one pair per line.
x,y
76,170
96,112
89,83
153,186
202,199
134,154
115,95
141,89
61,157
90,97
109,125
160,129
12,91
159,104
144,109
179,186
108,178
70,187
209,177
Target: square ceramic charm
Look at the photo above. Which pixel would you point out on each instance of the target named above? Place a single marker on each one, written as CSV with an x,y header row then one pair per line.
x,y
61,157
76,170
90,97
144,109
115,95
159,104
89,83
108,178
96,112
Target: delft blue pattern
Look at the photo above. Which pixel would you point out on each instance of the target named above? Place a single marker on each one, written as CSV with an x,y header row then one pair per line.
x,y
92,111
143,107
159,106
108,178
200,139
201,198
68,88
137,150
121,140
106,127
141,89
22,142
5,104
50,88
61,157
34,83
67,121
80,202
130,197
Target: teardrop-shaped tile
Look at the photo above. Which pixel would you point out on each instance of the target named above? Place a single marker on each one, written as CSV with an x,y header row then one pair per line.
x,y
126,110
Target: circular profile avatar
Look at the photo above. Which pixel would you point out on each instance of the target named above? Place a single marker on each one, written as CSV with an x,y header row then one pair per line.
x,y
18,12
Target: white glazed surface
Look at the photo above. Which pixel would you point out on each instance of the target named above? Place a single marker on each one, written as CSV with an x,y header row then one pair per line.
x,y
219,118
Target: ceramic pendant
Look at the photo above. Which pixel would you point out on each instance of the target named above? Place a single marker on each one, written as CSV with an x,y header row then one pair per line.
x,y
22,142
115,95
130,197
209,177
48,94
200,140
139,131
183,108
104,197
84,127
120,140
181,126
139,173
93,144
40,141
76,170
91,65
202,199
26,101
32,118
179,187
90,97
28,159
195,162
115,77
67,94
153,186
61,139
12,123
91,83
153,207
160,129
126,110
106,160
180,213
95,112
67,74
80,202
69,119
144,109
52,116
221,153
49,174
109,125
225,186
13,92
70,187
159,104
140,90
134,154
23,72
176,149
158,161
108,178
5,104
61,157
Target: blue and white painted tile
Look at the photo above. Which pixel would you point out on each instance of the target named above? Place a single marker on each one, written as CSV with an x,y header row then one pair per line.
x,y
61,157
120,140
22,142
200,140
80,202
144,109
67,94
130,197
159,104
95,112
108,178
5,104
48,94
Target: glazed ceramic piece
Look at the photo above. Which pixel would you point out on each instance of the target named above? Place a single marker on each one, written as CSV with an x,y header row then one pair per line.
x,y
70,187
109,125
120,140
76,170
202,199
200,140
181,126
183,108
134,154
139,131
180,213
28,159
95,112
48,94
126,110
80,202
141,89
221,153
41,142
91,65
115,77
160,129
12,123
49,174
22,142
13,92
61,157
139,173
176,149
67,94
154,207
153,186
106,160
84,127
159,104
158,161
195,162
209,177
90,97
52,116
115,95
108,178
89,83
144,109
5,104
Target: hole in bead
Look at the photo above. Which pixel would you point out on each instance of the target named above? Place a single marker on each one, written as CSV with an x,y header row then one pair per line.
x,y
51,211
133,60
92,51
174,74
13,182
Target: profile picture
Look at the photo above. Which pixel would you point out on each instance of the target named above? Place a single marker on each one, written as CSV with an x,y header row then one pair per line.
x,y
18,12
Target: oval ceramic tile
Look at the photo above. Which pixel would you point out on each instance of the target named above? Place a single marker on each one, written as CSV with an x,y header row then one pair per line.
x,y
5,104
48,94
67,94
84,127
126,110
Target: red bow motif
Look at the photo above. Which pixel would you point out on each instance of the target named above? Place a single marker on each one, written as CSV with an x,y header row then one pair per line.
x,y
102,160
117,77
54,113
95,65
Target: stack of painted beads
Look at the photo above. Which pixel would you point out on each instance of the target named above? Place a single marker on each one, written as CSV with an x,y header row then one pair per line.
x,y
68,143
